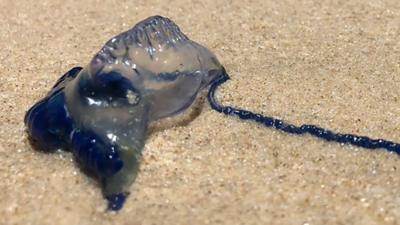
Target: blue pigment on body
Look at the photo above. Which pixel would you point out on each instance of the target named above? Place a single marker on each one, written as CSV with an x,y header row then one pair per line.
x,y
101,112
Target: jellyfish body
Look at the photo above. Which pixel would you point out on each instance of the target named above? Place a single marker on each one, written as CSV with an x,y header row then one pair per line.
x,y
102,112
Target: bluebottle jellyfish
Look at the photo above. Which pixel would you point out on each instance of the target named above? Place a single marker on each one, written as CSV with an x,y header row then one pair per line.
x,y
102,112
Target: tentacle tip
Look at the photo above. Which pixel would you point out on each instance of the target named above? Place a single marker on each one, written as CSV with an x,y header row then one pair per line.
x,y
116,201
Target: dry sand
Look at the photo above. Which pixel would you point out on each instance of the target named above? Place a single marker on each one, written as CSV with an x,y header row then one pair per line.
x,y
332,63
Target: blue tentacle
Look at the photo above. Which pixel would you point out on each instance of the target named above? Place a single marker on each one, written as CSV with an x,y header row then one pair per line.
x,y
325,134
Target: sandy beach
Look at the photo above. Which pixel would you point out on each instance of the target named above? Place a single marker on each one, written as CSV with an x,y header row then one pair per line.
x,y
333,63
